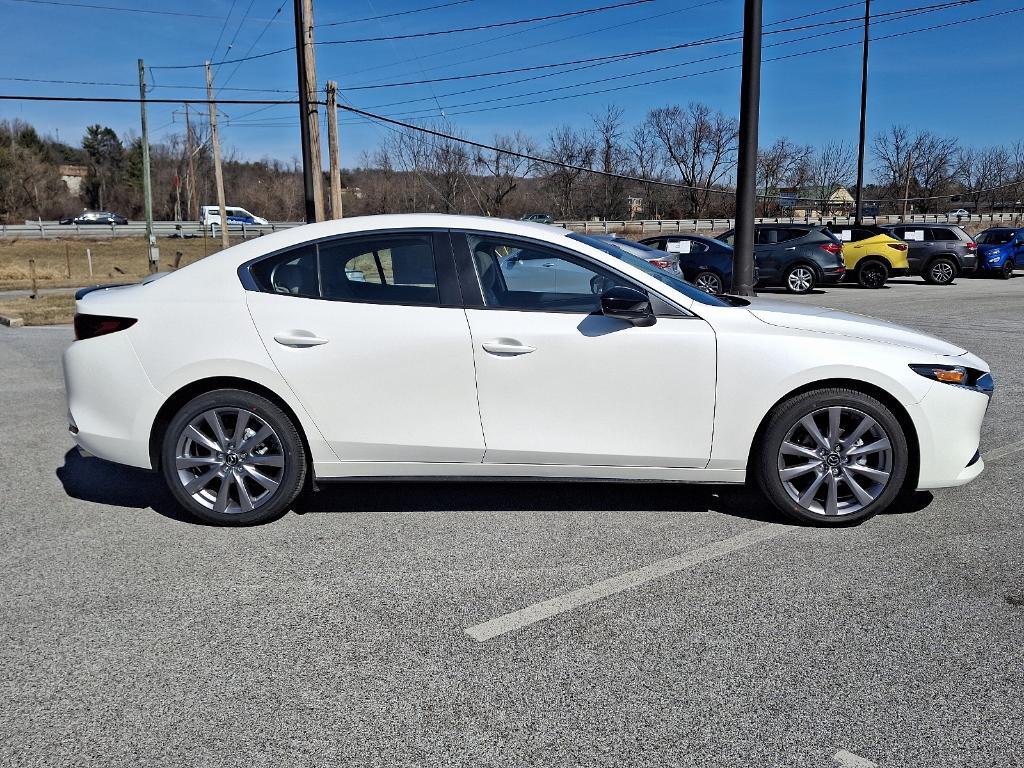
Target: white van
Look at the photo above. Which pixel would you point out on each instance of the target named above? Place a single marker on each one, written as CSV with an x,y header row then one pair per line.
x,y
210,215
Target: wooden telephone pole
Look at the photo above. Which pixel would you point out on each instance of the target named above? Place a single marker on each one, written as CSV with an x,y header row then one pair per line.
x,y
193,205
309,116
218,173
332,148
147,184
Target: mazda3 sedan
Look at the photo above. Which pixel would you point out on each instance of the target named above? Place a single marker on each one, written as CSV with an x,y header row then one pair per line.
x,y
399,346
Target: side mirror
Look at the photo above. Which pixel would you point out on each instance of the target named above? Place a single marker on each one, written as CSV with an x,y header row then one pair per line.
x,y
628,304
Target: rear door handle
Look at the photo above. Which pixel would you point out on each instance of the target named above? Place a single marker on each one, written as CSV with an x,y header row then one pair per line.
x,y
507,347
298,339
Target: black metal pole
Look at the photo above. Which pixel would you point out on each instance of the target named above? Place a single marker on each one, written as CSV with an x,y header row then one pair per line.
x,y
307,164
863,113
746,169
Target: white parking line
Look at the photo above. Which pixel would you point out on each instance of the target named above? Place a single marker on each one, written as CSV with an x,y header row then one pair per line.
x,y
850,760
545,610
1001,453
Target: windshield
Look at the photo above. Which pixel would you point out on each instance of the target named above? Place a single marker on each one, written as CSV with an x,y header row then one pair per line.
x,y
677,283
995,237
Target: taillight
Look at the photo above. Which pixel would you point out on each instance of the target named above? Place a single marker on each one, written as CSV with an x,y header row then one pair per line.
x,y
972,246
91,326
835,248
898,246
661,263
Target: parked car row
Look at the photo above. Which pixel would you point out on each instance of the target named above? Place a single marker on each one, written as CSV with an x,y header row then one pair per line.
x,y
800,258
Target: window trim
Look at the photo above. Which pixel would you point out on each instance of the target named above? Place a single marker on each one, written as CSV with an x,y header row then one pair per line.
x,y
448,288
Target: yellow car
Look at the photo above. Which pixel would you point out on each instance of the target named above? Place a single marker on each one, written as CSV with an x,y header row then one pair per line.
x,y
871,255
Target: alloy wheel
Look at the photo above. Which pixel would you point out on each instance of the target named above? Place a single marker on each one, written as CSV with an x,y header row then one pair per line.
x,y
835,461
873,276
229,460
800,280
709,283
942,272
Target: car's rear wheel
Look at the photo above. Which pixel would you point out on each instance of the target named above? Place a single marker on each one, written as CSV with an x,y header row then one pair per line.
x,y
872,274
800,279
1007,271
832,457
941,271
231,457
708,282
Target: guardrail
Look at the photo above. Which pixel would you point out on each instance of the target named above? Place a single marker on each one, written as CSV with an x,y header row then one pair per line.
x,y
53,229
657,226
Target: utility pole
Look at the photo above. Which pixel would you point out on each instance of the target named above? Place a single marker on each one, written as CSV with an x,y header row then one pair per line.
x,y
309,118
863,113
193,205
906,189
332,148
746,169
218,173
147,184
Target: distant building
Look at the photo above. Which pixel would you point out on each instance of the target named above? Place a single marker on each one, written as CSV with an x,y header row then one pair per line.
x,y
635,206
73,177
815,201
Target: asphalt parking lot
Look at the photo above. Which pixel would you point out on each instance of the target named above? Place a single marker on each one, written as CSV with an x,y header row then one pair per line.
x,y
665,626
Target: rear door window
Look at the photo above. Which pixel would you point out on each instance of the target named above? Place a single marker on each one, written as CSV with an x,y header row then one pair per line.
x,y
390,269
942,233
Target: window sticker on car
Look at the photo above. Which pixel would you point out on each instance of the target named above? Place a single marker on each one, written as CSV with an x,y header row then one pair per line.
x,y
846,235
914,234
679,246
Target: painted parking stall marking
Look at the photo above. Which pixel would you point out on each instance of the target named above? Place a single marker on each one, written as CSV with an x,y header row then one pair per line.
x,y
1001,453
601,589
850,760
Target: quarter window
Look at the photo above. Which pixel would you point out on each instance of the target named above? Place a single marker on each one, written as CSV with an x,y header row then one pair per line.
x,y
290,274
520,275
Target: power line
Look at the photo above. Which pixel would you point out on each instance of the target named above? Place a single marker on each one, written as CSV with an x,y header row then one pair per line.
x,y
252,47
121,9
916,12
223,27
611,58
568,14
393,15
726,68
125,100
495,25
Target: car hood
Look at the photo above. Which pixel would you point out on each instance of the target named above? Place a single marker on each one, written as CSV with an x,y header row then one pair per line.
x,y
823,320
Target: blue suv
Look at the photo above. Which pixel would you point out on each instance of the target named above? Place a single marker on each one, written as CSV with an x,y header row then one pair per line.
x,y
1000,251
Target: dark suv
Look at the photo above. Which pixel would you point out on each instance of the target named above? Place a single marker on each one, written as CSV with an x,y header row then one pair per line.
x,y
938,252
796,256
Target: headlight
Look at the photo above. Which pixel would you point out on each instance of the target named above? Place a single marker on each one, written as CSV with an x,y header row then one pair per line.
x,y
958,376
994,259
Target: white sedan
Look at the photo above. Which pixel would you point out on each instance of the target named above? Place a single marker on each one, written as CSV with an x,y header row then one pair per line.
x,y
457,346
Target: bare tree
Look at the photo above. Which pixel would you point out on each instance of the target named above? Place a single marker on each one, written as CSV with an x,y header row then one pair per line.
x,y
503,170
782,163
828,169
647,161
922,164
610,197
701,144
570,151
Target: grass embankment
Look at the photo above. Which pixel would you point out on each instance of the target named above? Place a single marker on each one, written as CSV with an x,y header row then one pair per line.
x,y
46,309
121,259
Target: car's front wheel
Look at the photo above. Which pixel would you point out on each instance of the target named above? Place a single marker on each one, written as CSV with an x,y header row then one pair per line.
x,y
800,279
231,457
708,282
832,457
941,271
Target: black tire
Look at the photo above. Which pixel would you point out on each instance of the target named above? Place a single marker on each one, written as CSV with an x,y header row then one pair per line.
x,y
709,282
940,271
800,279
872,274
768,462
284,444
1007,271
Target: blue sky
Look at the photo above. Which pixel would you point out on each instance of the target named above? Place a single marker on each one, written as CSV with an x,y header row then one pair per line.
x,y
961,80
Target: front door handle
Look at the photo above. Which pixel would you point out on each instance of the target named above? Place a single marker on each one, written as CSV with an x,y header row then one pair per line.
x,y
507,347
298,339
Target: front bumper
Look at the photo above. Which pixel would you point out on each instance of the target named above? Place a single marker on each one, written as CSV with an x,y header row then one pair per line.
x,y
948,422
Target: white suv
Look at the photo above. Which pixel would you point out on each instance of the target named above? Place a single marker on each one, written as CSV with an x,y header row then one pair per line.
x,y
210,215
